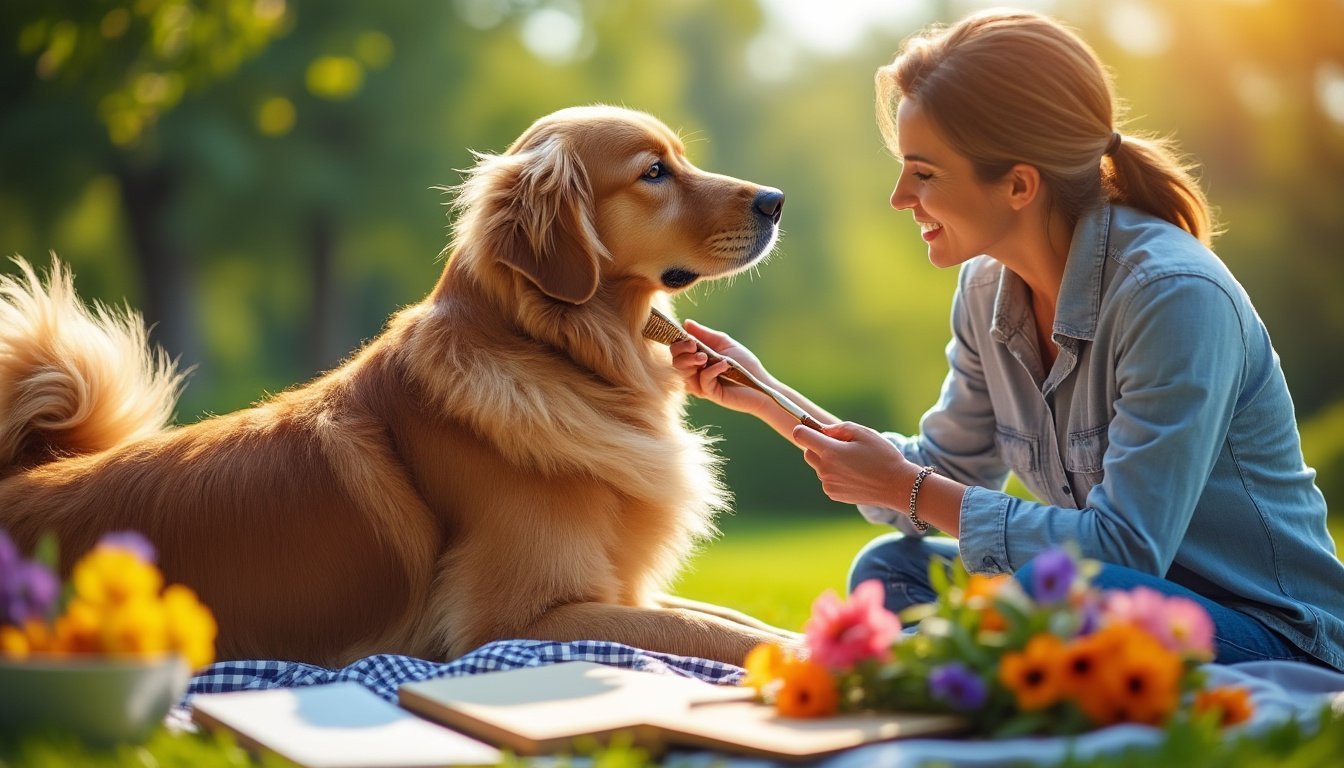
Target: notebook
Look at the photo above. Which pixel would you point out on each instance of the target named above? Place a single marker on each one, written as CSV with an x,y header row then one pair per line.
x,y
337,725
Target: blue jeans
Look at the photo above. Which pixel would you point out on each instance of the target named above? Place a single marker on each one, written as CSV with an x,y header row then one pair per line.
x,y
901,563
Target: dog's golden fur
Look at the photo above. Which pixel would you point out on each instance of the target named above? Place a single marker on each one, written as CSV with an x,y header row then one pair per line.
x,y
507,459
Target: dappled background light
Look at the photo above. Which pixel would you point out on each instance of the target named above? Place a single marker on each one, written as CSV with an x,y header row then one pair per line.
x,y
258,176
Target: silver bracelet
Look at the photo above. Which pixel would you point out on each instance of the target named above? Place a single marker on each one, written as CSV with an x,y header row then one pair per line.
x,y
920,525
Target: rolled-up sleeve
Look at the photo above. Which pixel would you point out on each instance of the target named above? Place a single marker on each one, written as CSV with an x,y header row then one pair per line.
x,y
956,435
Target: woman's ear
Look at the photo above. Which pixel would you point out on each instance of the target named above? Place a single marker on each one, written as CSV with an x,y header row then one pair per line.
x,y
540,221
1023,185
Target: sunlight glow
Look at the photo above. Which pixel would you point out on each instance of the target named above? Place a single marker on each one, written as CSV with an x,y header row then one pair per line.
x,y
1330,90
838,26
794,29
554,33
1259,92
1138,27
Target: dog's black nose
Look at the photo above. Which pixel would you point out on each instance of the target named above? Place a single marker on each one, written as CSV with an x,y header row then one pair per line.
x,y
770,202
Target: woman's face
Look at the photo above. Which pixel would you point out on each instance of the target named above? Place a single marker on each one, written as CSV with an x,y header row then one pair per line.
x,y
959,216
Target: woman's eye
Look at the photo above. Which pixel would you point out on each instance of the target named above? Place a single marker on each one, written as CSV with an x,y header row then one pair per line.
x,y
655,171
921,176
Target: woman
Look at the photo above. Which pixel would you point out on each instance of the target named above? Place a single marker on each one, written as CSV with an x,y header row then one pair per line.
x,y
1100,351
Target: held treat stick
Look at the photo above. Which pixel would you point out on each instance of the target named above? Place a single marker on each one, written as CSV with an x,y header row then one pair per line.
x,y
665,330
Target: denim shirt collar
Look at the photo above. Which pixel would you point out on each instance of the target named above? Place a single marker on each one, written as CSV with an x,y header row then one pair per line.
x,y
1079,303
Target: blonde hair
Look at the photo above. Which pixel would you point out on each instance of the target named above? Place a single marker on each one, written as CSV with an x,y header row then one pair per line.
x,y
1008,87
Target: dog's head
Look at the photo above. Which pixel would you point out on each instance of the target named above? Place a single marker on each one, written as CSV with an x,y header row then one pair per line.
x,y
602,195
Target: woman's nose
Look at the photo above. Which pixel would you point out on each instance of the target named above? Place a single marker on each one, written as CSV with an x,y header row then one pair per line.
x,y
900,200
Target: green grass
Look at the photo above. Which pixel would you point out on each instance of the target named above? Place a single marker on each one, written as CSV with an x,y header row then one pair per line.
x,y
774,567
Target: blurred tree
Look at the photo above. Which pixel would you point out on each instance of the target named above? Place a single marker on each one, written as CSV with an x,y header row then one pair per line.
x,y
281,159
128,64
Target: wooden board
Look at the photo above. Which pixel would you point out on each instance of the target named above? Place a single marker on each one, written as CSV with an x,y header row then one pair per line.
x,y
540,710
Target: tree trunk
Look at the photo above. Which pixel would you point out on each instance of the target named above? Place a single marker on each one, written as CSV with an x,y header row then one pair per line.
x,y
166,270
325,340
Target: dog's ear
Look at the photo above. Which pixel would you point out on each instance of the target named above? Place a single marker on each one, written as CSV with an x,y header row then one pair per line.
x,y
538,218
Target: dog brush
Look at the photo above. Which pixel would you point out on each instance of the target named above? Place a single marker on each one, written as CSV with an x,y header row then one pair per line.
x,y
665,330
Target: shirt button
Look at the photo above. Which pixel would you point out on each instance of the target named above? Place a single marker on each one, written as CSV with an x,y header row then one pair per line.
x,y
1065,489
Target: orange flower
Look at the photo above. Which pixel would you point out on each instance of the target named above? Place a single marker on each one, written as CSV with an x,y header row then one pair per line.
x,y
1035,675
1233,705
980,593
763,665
1081,664
78,629
1140,680
808,690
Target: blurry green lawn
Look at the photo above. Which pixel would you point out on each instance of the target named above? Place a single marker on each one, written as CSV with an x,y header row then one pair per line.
x,y
774,567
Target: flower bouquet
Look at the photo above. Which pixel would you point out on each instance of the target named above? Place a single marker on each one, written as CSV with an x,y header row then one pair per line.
x,y
104,655
1065,660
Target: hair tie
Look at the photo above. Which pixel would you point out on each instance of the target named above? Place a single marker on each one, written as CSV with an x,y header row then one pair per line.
x,y
1114,143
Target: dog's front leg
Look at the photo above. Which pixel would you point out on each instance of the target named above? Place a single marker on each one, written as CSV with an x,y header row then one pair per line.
x,y
680,631
672,601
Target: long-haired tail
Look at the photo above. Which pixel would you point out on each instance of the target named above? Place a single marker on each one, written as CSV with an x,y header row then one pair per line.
x,y
74,378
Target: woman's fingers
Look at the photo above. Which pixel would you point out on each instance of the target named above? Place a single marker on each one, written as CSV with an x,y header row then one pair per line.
x,y
717,340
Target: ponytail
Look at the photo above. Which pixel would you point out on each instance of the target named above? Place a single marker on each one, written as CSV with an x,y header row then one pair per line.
x,y
1149,174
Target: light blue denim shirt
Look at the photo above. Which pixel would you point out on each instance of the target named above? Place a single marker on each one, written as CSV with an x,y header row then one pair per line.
x,y
1162,439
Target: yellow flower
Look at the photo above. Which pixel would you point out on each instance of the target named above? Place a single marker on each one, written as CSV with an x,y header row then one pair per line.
x,y
137,627
1233,705
763,665
14,643
111,576
808,690
191,626
1035,675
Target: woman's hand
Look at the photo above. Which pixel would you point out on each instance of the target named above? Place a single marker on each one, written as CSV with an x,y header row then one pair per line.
x,y
703,379
856,465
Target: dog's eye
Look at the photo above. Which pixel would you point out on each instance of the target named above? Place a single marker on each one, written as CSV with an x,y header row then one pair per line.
x,y
656,172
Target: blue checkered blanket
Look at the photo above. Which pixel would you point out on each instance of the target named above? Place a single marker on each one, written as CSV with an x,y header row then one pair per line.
x,y
383,673
1280,690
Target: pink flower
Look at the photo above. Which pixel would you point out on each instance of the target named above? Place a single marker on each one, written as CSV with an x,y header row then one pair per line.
x,y
1178,623
1191,628
841,634
1143,607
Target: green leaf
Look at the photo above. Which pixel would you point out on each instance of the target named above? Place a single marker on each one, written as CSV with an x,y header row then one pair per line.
x,y
48,552
938,575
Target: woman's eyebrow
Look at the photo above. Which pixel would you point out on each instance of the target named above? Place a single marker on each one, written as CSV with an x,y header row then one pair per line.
x,y
916,159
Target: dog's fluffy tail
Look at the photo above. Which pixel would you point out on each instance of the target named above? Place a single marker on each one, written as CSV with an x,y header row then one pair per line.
x,y
74,379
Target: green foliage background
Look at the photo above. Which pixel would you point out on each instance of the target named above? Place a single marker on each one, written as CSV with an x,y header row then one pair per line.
x,y
257,176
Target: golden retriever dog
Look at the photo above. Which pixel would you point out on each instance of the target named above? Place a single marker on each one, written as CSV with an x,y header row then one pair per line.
x,y
508,459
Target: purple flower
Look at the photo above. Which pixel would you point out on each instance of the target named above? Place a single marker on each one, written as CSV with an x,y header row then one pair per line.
x,y
958,687
1053,575
27,592
9,556
131,541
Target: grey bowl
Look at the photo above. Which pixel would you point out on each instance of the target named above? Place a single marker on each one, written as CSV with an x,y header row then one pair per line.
x,y
100,700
